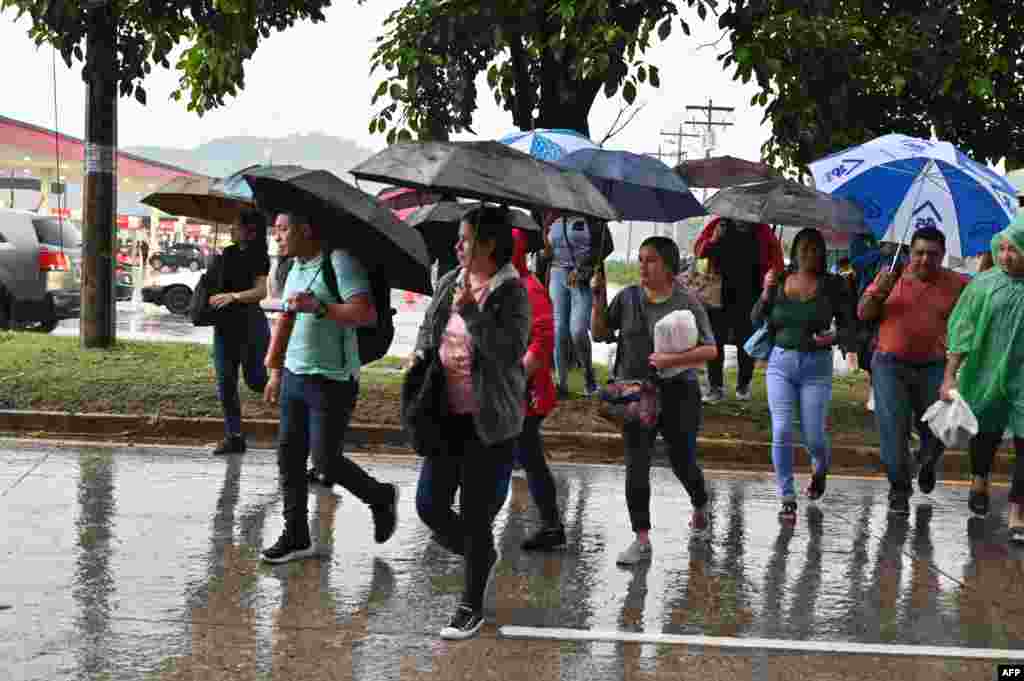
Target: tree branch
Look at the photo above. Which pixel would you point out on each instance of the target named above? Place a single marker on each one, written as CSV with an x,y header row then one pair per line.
x,y
612,130
715,43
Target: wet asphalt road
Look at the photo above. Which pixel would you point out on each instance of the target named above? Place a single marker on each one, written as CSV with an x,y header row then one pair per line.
x,y
127,563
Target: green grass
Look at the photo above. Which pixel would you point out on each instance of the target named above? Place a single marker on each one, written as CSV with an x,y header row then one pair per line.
x,y
620,273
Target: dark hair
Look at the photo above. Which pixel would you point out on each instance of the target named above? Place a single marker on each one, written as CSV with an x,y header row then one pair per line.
x,y
491,223
296,218
255,220
815,236
933,234
666,249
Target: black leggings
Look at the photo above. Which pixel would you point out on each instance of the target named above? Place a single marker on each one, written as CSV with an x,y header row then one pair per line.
x,y
983,450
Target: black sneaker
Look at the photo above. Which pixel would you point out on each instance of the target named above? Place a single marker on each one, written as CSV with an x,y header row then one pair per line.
x,y
546,539
285,550
385,518
899,504
978,502
314,478
816,489
926,477
465,623
787,513
233,444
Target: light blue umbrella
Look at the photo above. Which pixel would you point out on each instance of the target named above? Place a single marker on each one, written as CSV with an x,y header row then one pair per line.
x,y
905,183
639,187
547,144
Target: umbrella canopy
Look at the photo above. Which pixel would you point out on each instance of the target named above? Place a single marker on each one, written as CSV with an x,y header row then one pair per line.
x,y
353,220
196,197
639,187
547,144
723,171
487,171
438,224
904,183
786,202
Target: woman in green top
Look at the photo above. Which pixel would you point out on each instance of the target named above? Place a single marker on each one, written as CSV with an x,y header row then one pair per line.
x,y
986,346
799,308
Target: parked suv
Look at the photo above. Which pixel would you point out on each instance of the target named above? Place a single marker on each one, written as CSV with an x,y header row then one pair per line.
x,y
40,270
179,255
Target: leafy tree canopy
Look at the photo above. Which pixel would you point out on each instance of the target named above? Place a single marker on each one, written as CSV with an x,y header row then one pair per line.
x,y
221,35
545,60
836,73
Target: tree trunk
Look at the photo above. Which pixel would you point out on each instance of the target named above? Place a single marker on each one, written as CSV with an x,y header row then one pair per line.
x,y
99,202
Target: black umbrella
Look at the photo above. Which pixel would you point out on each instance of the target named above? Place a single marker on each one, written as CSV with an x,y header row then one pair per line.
x,y
487,171
785,202
352,219
439,221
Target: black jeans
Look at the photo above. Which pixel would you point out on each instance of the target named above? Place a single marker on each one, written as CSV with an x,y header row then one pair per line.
x,y
315,413
983,450
731,320
476,470
679,422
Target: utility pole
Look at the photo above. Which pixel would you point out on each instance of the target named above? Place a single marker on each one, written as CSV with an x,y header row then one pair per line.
x,y
99,201
680,154
709,125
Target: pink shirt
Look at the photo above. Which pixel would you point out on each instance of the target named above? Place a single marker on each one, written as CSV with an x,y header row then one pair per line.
x,y
457,360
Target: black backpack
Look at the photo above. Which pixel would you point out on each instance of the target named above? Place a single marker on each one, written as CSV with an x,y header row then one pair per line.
x,y
374,341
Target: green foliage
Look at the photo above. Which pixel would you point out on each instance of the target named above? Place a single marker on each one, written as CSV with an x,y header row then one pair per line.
x,y
545,60
836,74
220,36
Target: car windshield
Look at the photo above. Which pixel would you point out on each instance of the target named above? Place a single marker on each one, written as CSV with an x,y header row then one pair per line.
x,y
54,232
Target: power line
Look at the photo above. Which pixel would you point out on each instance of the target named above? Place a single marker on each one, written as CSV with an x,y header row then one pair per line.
x,y
710,123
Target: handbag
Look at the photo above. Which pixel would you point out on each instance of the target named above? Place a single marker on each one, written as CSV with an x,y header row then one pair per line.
x,y
424,403
760,343
579,275
630,403
707,284
210,283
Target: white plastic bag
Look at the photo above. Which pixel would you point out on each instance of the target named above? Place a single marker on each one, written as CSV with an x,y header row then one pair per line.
x,y
952,422
675,332
840,367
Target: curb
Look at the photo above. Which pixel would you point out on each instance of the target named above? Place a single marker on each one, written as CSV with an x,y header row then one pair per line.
x,y
562,446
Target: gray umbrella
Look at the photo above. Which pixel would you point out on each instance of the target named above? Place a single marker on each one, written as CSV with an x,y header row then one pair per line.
x,y
488,171
352,219
439,222
785,202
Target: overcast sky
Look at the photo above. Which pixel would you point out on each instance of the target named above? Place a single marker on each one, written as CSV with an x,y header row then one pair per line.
x,y
315,78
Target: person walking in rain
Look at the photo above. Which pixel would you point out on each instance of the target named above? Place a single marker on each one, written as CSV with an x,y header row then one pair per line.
x,y
913,309
743,253
478,324
633,313
241,333
314,374
575,245
986,347
800,306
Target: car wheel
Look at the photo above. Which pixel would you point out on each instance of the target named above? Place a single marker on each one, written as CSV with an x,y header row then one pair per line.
x,y
194,265
177,299
43,327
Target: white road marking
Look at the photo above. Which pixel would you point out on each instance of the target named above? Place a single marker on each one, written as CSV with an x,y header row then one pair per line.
x,y
782,645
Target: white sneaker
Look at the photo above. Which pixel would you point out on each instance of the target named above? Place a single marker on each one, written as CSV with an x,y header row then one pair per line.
x,y
871,402
635,553
714,396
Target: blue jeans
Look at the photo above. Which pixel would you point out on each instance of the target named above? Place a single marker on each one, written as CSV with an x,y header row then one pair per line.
x,y
798,379
245,347
572,308
903,392
529,453
478,472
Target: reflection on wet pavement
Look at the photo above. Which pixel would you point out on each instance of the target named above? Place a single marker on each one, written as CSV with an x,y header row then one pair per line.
x,y
143,563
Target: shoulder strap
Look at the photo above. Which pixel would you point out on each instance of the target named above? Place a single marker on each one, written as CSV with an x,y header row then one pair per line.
x,y
330,278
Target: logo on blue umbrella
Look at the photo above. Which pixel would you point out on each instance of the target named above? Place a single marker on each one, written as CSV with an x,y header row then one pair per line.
x,y
847,166
917,146
933,220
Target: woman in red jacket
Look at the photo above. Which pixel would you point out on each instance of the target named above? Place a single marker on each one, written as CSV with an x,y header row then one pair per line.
x,y
540,401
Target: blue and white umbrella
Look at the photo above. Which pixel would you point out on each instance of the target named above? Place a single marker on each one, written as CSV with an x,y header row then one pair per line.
x,y
547,144
905,183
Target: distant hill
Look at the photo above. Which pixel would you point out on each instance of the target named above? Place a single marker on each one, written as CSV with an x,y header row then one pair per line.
x,y
225,155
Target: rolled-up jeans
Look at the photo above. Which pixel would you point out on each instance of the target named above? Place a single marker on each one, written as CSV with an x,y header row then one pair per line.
x,y
572,308
798,380
903,392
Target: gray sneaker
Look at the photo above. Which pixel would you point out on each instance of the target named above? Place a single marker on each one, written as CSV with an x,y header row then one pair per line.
x,y
743,394
714,395
635,553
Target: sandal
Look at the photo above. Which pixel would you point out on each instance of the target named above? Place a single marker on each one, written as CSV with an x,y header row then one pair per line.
x,y
978,503
816,488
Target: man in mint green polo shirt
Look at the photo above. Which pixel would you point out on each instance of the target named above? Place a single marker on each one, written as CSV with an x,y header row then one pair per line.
x,y
314,373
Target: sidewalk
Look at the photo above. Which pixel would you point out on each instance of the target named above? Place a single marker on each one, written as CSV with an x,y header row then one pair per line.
x,y
576,447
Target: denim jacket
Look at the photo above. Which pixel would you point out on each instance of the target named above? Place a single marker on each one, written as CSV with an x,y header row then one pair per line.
x,y
500,333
